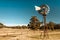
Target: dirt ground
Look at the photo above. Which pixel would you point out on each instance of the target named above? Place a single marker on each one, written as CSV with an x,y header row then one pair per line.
x,y
27,34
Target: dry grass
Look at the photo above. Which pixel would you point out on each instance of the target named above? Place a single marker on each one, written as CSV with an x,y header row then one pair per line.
x,y
26,34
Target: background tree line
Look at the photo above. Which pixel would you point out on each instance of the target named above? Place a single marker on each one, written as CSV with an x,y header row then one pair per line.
x,y
34,24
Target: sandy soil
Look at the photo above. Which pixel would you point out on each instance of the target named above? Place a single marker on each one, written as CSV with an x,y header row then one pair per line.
x,y
26,34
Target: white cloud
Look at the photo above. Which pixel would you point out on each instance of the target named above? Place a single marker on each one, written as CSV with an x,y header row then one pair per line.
x,y
15,24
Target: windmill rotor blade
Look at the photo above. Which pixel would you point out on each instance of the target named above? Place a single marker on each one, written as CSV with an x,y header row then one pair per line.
x,y
37,8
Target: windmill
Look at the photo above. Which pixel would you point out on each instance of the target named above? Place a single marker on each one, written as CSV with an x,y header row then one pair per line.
x,y
43,10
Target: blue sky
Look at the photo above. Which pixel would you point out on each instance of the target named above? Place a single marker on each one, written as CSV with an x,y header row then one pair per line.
x,y
20,11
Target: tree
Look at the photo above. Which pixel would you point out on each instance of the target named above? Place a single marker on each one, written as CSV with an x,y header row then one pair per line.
x,y
34,23
57,26
51,25
1,25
